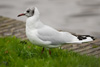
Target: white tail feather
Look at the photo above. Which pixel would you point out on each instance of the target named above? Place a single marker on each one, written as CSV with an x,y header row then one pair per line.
x,y
76,39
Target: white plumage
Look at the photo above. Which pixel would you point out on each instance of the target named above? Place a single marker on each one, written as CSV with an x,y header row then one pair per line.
x,y
46,36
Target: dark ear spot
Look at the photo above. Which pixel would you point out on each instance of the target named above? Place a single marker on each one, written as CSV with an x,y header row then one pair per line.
x,y
33,12
27,11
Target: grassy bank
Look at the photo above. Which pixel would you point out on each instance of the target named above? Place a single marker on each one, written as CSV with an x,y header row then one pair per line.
x,y
17,53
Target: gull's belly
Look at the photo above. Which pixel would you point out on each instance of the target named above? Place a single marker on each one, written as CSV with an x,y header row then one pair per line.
x,y
32,36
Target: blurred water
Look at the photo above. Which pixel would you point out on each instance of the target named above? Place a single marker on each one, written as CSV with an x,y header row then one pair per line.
x,y
77,16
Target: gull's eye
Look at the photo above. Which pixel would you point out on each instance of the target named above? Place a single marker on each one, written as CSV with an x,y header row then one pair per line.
x,y
27,11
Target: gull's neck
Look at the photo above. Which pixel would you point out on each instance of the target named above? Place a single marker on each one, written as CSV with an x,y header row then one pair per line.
x,y
34,22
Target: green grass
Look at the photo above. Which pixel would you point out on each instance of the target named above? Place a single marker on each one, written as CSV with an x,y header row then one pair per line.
x,y
14,53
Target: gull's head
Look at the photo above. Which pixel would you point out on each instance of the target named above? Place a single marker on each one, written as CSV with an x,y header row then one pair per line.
x,y
30,12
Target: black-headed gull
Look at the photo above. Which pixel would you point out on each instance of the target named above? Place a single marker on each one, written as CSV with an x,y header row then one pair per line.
x,y
46,36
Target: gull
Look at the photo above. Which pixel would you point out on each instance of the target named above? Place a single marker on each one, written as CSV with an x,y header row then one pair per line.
x,y
43,35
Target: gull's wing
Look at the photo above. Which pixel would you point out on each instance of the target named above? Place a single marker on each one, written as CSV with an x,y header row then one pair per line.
x,y
47,33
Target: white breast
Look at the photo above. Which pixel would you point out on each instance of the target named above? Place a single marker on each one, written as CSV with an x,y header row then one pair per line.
x,y
32,36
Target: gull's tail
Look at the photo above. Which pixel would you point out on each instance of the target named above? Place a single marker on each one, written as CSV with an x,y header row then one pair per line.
x,y
73,38
83,38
